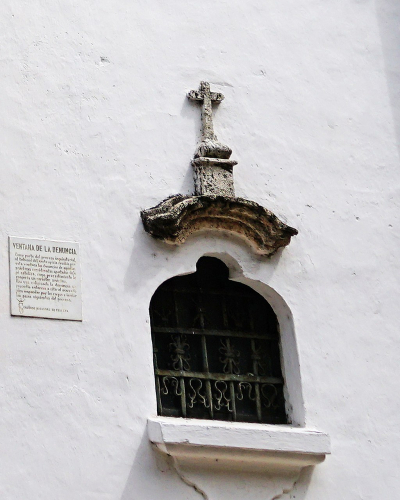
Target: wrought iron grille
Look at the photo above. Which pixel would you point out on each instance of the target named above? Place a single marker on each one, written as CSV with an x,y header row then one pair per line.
x,y
216,349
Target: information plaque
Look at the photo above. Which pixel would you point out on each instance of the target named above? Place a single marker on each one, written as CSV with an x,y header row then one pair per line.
x,y
45,280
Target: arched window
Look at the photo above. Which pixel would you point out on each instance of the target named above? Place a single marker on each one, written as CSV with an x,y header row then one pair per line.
x,y
216,349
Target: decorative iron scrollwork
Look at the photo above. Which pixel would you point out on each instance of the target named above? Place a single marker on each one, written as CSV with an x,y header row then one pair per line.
x,y
174,384
270,395
230,358
180,357
243,387
195,395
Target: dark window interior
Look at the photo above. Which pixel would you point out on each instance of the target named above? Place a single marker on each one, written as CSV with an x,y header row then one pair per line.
x,y
216,349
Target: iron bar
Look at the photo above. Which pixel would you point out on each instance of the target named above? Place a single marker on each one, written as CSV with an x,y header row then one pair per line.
x,y
217,333
227,377
206,371
256,385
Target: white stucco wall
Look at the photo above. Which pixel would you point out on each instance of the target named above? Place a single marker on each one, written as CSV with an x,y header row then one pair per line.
x,y
95,126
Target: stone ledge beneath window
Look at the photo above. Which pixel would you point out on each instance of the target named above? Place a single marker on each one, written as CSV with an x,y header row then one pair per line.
x,y
236,445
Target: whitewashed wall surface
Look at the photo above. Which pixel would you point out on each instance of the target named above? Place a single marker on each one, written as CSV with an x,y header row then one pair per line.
x,y
95,126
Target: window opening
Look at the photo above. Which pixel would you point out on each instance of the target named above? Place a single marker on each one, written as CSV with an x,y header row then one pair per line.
x,y
216,349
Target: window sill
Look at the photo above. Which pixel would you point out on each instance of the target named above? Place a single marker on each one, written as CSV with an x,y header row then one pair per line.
x,y
237,445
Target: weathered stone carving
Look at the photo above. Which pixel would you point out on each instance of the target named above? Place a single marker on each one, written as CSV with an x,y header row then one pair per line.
x,y
211,164
214,205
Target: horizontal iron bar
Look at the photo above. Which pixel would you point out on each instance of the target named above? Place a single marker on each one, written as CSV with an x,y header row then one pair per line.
x,y
227,377
216,333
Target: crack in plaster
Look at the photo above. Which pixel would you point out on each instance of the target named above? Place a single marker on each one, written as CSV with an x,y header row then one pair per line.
x,y
187,481
285,491
201,492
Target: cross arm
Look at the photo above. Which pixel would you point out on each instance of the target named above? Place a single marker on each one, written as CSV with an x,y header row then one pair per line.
x,y
204,93
198,95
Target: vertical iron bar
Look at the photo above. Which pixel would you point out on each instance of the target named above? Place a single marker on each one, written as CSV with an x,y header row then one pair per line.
x,y
205,355
232,394
256,384
158,389
183,390
181,378
158,394
183,396
207,370
230,361
231,384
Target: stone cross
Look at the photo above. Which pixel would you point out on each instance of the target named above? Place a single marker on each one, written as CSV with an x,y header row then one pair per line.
x,y
209,146
212,167
204,94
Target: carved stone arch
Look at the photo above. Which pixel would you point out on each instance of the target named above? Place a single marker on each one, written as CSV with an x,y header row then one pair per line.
x,y
178,217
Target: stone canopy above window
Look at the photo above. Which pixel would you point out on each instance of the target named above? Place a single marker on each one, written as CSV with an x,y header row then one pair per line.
x,y
214,206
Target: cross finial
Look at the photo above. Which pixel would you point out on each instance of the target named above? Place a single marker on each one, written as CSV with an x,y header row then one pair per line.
x,y
209,146
204,94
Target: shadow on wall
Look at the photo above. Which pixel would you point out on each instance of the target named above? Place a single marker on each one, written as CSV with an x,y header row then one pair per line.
x,y
152,474
300,488
388,13
151,477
